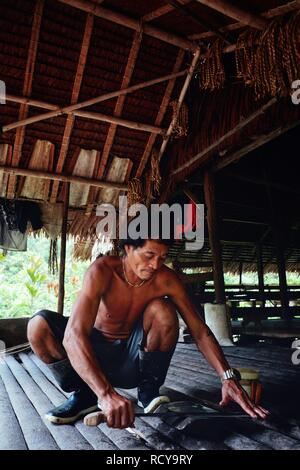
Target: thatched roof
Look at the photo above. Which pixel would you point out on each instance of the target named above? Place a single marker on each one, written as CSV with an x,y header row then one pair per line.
x,y
54,54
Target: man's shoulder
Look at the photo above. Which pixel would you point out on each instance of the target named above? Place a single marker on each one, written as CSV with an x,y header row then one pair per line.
x,y
104,266
167,274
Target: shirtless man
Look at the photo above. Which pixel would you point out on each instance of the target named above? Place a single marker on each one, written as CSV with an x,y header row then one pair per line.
x,y
122,333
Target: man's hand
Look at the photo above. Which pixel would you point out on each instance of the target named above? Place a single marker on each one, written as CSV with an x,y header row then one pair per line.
x,y
232,391
117,409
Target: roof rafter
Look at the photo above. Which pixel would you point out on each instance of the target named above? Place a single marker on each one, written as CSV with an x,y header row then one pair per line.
x,y
75,93
162,109
117,112
233,11
131,23
27,87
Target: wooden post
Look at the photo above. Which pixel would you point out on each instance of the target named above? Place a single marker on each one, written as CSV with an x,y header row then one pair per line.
x,y
210,201
282,279
260,273
240,272
62,264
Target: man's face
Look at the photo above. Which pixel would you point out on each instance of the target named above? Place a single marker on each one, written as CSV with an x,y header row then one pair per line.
x,y
146,260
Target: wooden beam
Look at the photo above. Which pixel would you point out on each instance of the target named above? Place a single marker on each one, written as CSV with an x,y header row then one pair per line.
x,y
68,179
74,98
161,113
233,11
63,246
234,157
131,23
163,10
179,103
73,108
27,87
202,156
215,245
269,14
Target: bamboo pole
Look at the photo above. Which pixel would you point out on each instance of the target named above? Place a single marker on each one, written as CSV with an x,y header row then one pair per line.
x,y
179,103
66,179
233,11
238,127
132,23
56,110
63,245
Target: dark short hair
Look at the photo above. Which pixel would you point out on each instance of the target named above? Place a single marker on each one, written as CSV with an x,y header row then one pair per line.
x,y
140,242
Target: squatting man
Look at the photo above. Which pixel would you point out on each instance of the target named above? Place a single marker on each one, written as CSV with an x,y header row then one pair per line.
x,y
122,333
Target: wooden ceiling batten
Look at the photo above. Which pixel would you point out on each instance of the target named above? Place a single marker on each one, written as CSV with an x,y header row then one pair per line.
x,y
74,98
131,23
27,87
163,107
117,112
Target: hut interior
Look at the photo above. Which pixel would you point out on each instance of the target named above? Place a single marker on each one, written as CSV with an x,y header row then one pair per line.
x,y
183,101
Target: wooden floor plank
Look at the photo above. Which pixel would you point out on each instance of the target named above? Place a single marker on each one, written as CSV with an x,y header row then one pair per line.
x,y
184,441
92,434
66,436
36,435
11,436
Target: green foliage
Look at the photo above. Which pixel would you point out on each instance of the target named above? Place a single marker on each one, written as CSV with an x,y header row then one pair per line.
x,y
27,286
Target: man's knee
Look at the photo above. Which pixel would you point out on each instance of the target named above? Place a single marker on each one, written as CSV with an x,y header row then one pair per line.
x,y
161,312
37,328
161,325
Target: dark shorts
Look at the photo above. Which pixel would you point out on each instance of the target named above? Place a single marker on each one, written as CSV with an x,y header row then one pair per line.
x,y
118,359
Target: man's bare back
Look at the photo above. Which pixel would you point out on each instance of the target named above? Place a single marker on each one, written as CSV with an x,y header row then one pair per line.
x,y
121,304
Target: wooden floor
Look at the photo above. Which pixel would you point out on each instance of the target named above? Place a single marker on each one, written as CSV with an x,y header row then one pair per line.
x,y
27,392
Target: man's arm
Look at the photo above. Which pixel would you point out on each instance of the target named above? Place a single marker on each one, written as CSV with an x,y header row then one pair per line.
x,y
210,348
77,344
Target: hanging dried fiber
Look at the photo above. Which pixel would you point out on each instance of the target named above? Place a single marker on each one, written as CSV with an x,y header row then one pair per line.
x,y
269,61
211,70
135,193
181,118
153,178
52,262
